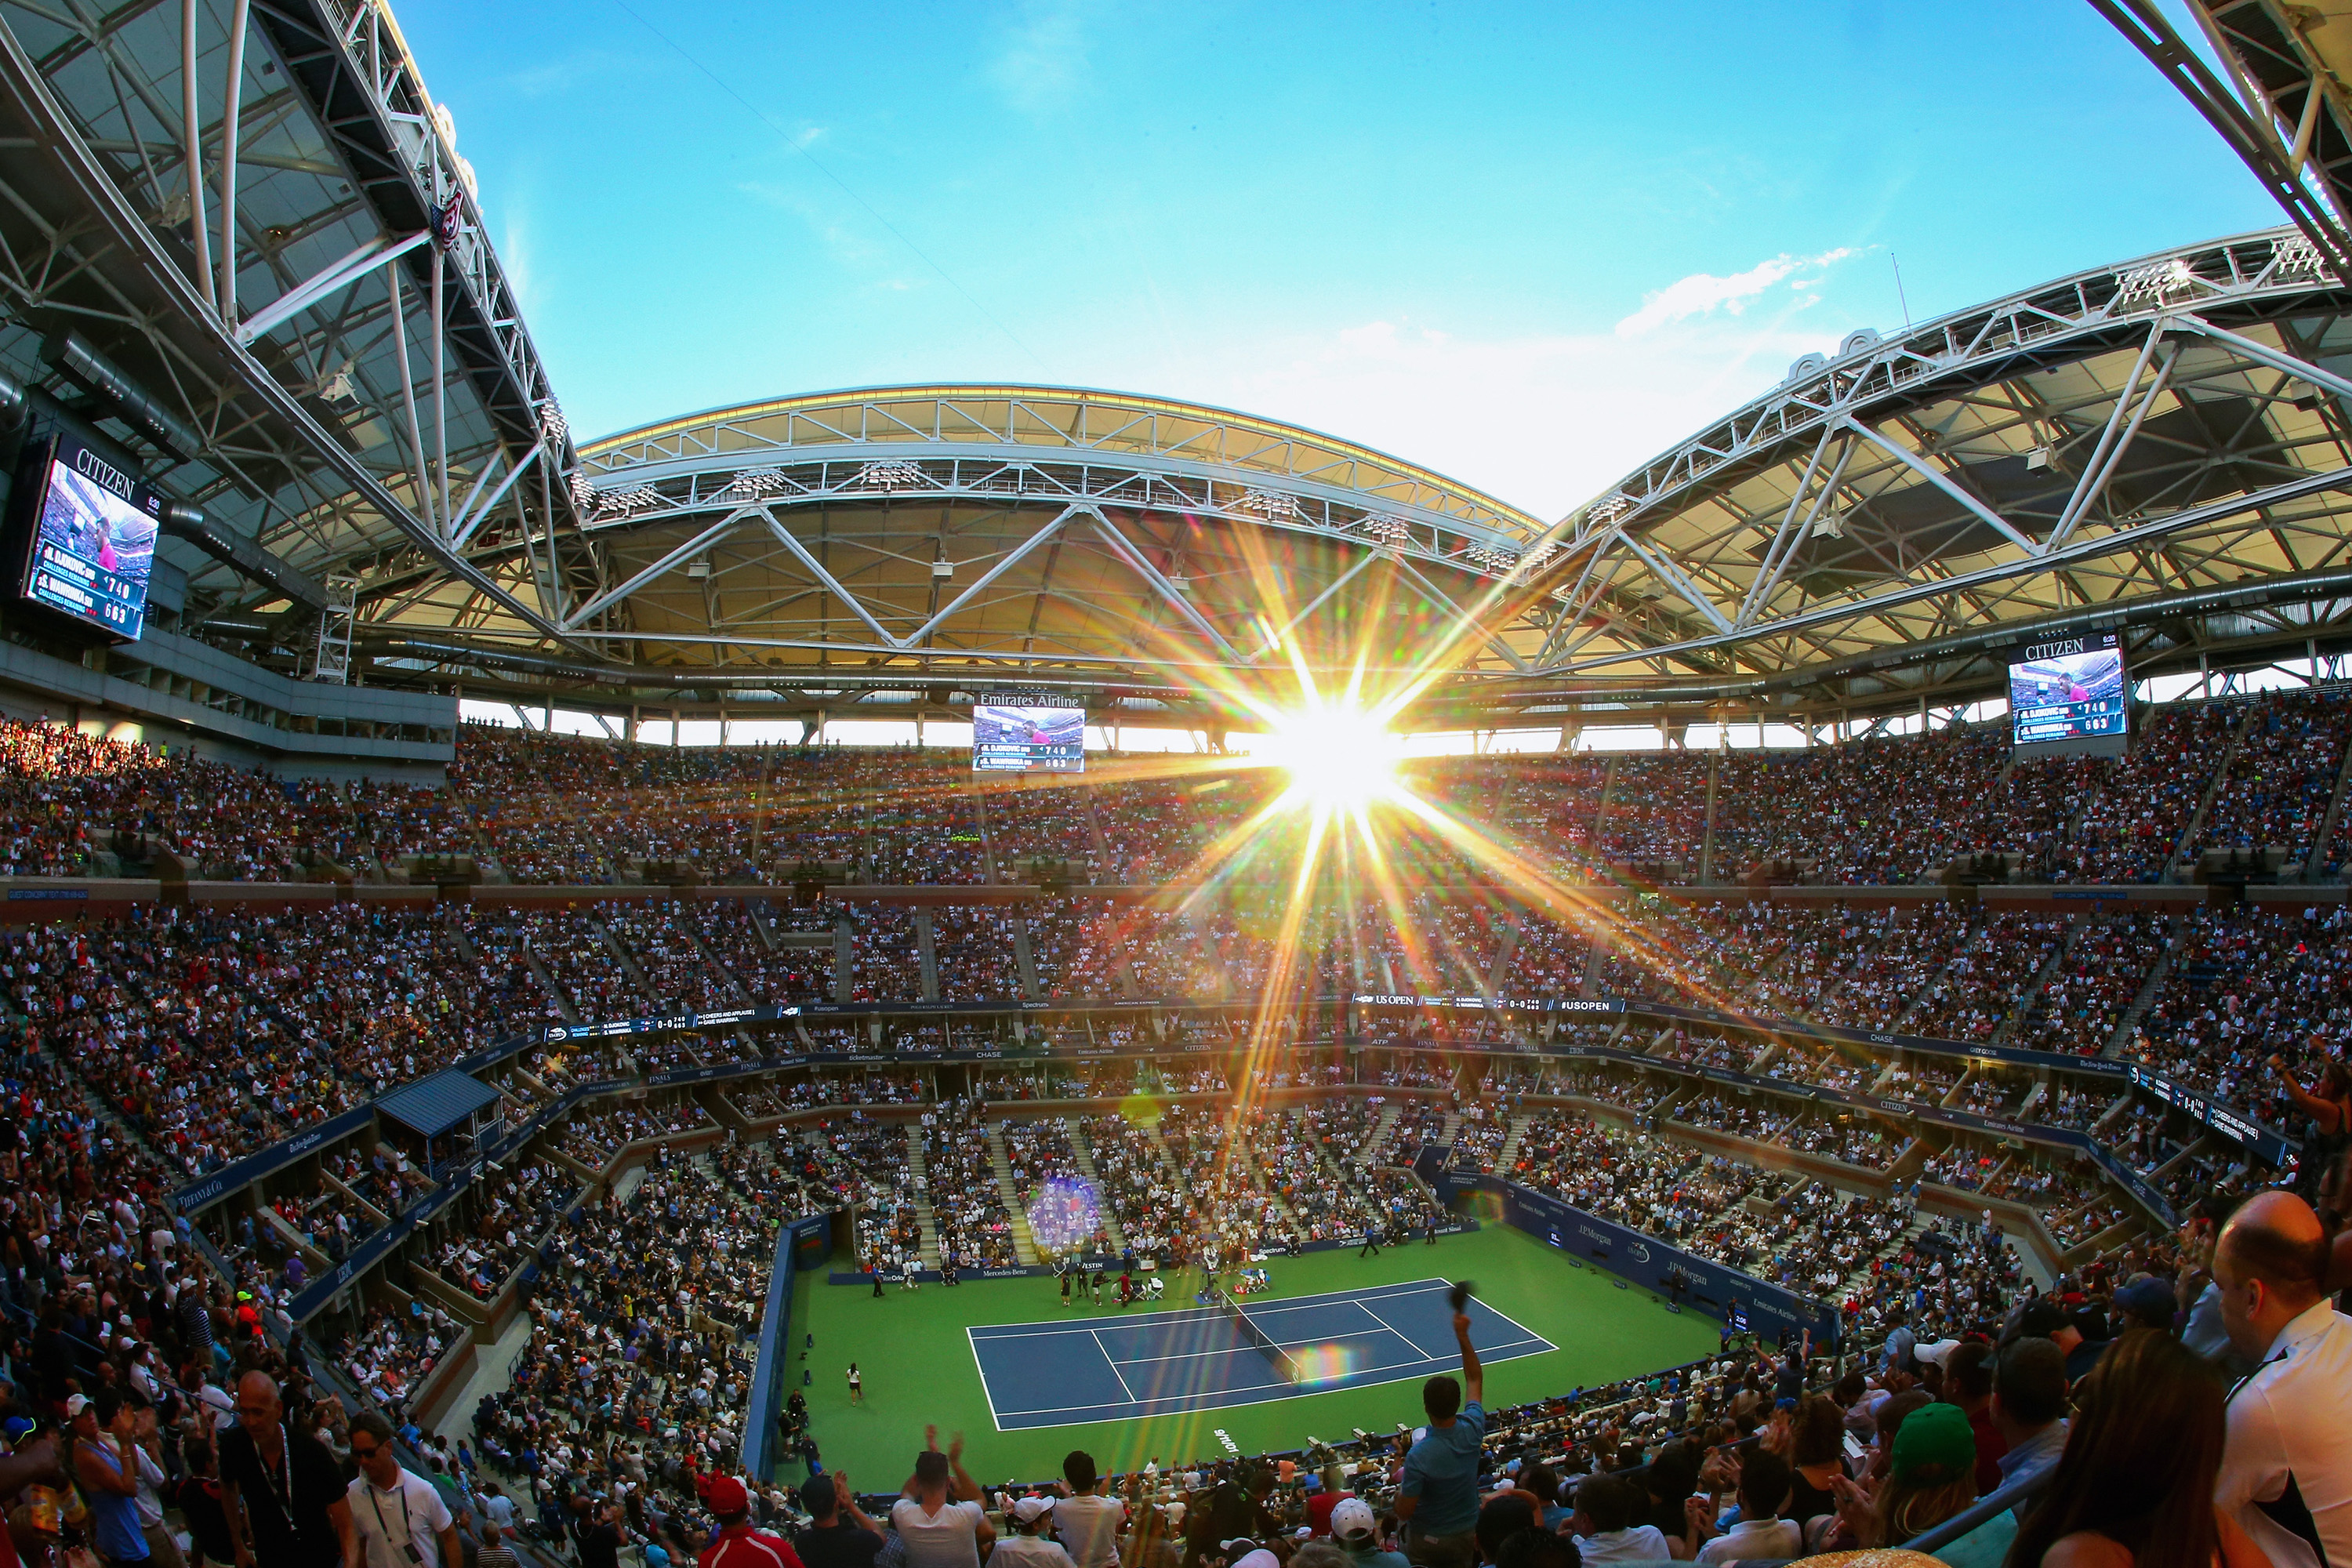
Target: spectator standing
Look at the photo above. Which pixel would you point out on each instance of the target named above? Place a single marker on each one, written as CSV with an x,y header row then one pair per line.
x,y
2135,1487
2286,1471
837,1535
1437,1497
1234,1509
399,1515
1086,1521
496,1553
939,1521
145,1447
738,1544
197,1496
107,1474
281,1492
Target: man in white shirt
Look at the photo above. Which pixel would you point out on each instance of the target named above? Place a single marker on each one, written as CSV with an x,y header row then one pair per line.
x,y
1086,1522
939,1521
2286,1464
1026,1548
1605,1531
1761,1533
399,1515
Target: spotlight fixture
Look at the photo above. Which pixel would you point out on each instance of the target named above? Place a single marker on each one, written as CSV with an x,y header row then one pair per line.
x,y
620,503
1385,528
1268,505
753,483
890,475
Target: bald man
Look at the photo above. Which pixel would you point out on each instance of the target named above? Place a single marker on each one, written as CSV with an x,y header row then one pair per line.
x,y
2286,1469
281,1491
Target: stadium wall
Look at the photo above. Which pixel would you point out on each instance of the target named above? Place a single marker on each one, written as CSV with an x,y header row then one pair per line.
x,y
1709,1288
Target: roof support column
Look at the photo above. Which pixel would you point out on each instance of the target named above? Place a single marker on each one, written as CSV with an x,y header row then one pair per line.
x,y
200,243
237,29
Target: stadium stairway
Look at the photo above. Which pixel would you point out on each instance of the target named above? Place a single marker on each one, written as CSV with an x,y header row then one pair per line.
x,y
2149,989
1083,1149
2327,824
2214,783
718,967
1025,1241
1259,1166
927,1219
556,993
1863,954
621,955
2027,1001
1508,1154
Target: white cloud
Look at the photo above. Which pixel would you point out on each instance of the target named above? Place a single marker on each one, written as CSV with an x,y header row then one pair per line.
x,y
1544,422
1702,293
1043,60
516,254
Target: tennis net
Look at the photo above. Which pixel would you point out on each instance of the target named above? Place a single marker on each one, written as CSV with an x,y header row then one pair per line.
x,y
1283,1365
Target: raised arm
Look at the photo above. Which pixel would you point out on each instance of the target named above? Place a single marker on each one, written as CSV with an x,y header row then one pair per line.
x,y
1473,1377
2325,1111
967,1489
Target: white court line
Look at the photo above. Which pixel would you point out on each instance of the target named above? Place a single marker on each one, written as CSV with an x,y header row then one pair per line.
x,y
1385,1323
1112,1363
978,1366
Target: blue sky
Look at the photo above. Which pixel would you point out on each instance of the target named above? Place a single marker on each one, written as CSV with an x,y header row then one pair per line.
x,y
1525,245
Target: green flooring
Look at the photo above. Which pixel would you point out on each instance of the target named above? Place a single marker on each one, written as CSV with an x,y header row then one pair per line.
x,y
918,1369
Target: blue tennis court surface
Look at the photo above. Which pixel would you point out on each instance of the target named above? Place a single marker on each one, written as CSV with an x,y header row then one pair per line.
x,y
1117,1369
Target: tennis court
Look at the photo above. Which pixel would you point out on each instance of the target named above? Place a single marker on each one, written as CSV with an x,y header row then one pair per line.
x,y
1121,1369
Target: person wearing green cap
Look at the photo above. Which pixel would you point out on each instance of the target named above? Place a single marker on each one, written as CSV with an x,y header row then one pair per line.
x,y
1930,1477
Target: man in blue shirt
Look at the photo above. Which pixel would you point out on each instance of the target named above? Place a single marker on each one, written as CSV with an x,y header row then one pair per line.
x,y
1437,1499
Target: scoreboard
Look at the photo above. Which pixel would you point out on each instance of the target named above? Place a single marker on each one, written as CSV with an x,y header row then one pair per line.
x,y
1027,733
2068,694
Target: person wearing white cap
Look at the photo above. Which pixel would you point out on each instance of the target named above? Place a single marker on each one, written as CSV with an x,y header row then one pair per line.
x,y
1026,1548
1357,1531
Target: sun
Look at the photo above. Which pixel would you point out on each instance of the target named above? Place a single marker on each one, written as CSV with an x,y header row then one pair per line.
x,y
1340,758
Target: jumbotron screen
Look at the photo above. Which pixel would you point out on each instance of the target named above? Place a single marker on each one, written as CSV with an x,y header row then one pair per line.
x,y
93,543
2068,694
1027,737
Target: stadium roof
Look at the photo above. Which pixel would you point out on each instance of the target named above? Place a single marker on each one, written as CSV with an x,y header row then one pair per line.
x,y
1032,534
2157,444
2160,444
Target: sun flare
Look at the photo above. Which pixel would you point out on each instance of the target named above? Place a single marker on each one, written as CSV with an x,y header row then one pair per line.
x,y
1338,758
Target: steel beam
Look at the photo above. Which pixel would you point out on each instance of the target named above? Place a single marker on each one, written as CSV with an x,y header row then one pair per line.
x,y
807,558
340,275
2120,540
1942,481
470,517
1135,558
